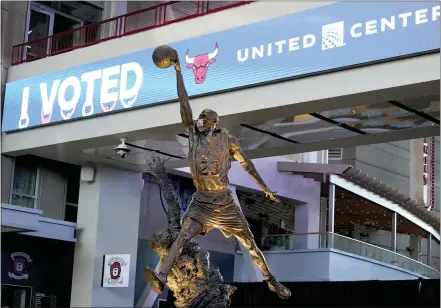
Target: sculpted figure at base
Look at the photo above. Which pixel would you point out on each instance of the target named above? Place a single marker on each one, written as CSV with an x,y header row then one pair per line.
x,y
211,152
193,281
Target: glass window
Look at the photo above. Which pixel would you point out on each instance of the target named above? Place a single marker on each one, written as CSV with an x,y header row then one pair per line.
x,y
73,185
54,17
24,188
86,11
72,194
40,25
71,212
16,296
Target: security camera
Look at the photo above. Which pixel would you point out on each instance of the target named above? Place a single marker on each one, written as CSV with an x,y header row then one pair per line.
x,y
122,149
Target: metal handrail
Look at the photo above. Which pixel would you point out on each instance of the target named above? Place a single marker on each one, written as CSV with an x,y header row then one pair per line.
x,y
364,249
108,29
276,235
381,248
286,240
427,271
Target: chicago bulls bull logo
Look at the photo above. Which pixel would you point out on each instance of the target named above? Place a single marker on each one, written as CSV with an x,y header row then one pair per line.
x,y
200,64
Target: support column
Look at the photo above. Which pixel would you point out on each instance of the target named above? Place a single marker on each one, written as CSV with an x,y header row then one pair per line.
x,y
415,245
307,220
416,169
108,220
416,187
323,221
429,250
114,8
331,215
393,244
331,208
254,273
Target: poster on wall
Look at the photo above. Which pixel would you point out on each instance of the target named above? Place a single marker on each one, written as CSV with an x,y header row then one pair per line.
x,y
20,262
116,270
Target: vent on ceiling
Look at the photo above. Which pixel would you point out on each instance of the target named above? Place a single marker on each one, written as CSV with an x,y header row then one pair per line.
x,y
335,154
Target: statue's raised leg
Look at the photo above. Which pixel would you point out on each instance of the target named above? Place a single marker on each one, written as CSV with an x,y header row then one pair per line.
x,y
246,238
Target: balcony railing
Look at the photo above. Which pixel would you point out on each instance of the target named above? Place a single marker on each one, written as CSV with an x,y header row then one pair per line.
x,y
116,27
370,251
346,244
277,242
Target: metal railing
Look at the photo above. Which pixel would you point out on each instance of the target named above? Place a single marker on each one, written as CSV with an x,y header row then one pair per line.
x,y
138,21
370,251
277,242
346,244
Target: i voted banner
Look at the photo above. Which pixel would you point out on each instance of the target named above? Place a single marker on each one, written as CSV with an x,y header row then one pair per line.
x,y
331,37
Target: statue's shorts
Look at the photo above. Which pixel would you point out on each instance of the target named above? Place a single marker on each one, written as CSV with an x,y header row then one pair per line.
x,y
217,210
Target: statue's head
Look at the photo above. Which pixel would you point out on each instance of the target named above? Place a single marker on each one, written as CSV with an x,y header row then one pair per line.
x,y
161,241
207,121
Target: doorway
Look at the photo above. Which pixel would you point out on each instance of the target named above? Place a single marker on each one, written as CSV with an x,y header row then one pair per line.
x,y
40,24
43,22
16,296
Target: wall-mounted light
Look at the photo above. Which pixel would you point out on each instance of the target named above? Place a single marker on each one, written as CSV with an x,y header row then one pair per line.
x,y
87,174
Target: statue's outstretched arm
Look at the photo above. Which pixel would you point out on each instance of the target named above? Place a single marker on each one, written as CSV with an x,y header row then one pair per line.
x,y
186,112
248,165
156,167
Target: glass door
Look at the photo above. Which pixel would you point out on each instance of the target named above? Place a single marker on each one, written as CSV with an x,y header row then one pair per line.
x,y
40,24
68,39
16,296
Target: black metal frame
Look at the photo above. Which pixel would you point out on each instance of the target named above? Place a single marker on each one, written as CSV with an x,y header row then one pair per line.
x,y
344,125
152,150
414,111
315,115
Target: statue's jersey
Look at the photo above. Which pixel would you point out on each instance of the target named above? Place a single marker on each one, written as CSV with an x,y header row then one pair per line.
x,y
210,160
213,203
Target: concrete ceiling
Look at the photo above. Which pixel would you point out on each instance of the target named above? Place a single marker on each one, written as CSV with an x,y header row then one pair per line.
x,y
381,122
312,133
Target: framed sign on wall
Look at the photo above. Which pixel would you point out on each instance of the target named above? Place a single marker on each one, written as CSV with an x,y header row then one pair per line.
x,y
116,270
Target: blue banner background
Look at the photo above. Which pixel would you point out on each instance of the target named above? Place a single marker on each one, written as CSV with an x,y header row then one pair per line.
x,y
228,73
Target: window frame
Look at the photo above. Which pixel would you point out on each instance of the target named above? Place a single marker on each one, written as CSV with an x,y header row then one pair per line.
x,y
74,205
53,11
35,197
31,289
33,6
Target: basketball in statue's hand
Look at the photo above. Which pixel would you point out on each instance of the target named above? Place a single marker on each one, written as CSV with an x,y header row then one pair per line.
x,y
164,56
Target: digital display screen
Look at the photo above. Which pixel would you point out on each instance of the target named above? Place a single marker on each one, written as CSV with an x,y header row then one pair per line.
x,y
318,40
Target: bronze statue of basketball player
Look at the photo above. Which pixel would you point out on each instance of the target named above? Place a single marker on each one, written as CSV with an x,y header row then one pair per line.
x,y
211,151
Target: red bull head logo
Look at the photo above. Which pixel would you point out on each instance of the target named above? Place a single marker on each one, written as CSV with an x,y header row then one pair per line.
x,y
200,64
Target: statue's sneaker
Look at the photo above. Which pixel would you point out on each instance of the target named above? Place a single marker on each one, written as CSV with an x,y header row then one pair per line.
x,y
230,289
153,280
275,286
